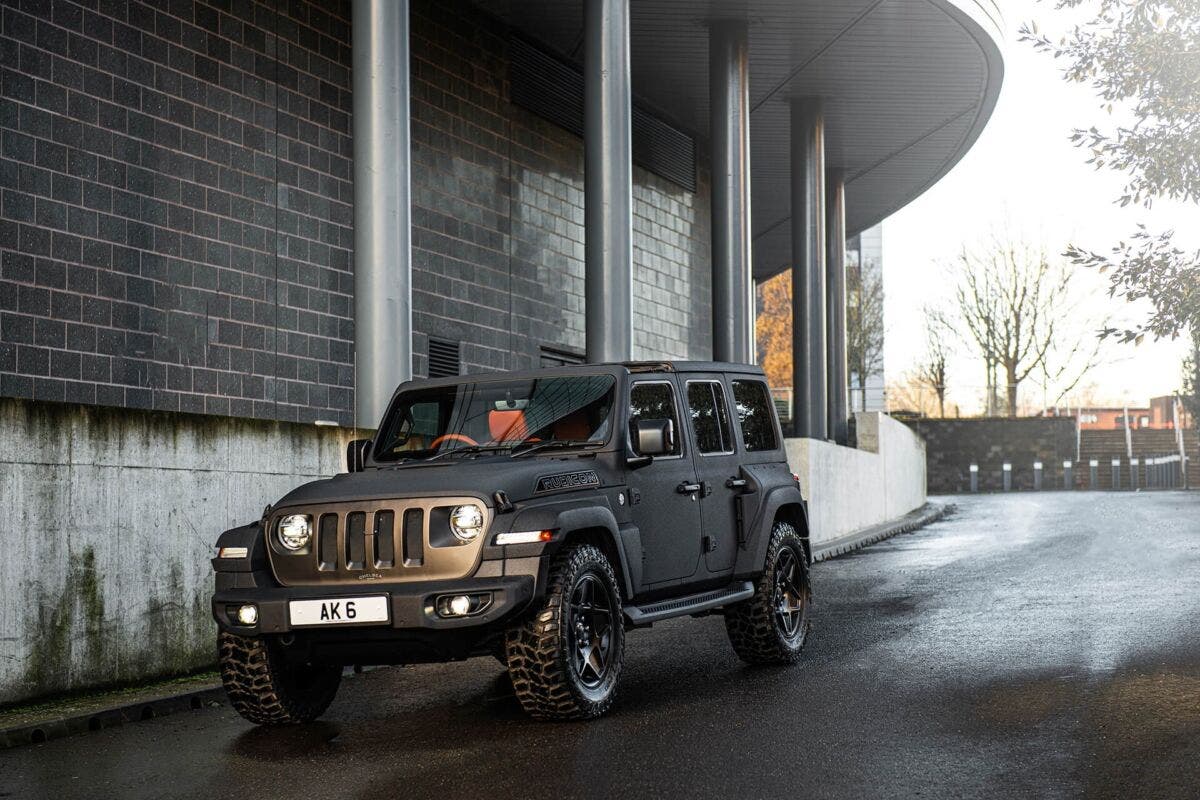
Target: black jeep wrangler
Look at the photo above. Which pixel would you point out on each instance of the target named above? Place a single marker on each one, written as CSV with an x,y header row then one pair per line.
x,y
533,516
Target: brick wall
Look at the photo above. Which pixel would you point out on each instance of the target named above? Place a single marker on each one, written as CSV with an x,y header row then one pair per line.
x,y
498,216
176,211
176,218
952,445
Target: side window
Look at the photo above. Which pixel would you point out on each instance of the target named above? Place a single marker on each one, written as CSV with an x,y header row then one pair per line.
x,y
753,403
710,421
653,400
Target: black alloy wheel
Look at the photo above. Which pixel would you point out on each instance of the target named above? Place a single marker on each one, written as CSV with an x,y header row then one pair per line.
x,y
791,598
772,626
565,655
590,635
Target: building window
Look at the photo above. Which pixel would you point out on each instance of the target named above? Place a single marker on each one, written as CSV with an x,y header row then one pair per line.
x,y
444,358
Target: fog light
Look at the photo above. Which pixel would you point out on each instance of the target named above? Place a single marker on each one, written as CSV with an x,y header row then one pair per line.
x,y
247,614
463,605
460,605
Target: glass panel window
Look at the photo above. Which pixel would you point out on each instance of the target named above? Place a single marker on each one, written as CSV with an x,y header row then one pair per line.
x,y
710,421
498,416
653,400
753,404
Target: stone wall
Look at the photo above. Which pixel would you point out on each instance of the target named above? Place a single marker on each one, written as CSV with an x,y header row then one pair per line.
x,y
111,517
952,445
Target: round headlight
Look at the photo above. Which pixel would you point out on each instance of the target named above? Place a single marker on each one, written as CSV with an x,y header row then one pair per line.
x,y
294,531
466,522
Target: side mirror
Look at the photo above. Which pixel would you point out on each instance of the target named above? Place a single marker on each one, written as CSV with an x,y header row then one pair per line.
x,y
356,454
655,437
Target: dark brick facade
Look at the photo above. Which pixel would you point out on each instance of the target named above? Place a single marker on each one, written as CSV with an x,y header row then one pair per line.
x,y
176,217
952,445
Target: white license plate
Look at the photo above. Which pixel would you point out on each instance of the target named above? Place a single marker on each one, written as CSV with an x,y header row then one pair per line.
x,y
339,611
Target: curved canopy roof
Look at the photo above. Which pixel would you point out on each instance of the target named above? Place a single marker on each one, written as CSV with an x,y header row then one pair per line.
x,y
907,87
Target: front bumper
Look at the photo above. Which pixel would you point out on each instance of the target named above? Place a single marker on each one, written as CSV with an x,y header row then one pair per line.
x,y
411,605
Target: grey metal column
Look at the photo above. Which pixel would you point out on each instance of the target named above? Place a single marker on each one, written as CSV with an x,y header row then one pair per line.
x,y
808,269
729,127
608,181
835,310
382,222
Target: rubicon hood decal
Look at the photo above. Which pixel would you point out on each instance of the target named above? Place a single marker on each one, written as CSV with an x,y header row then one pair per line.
x,y
566,480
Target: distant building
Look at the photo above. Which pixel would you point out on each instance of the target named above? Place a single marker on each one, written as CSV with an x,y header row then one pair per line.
x,y
865,252
1161,414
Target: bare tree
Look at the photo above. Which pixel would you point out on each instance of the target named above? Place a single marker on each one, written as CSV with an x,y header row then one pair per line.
x,y
909,394
864,326
1019,311
932,370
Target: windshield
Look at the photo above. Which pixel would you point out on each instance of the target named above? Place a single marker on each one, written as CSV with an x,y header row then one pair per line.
x,y
497,415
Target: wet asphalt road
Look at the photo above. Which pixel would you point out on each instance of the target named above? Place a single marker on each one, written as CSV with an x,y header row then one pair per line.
x,y
1029,646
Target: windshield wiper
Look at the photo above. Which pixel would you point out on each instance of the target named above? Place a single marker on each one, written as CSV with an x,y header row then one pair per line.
x,y
470,449
529,448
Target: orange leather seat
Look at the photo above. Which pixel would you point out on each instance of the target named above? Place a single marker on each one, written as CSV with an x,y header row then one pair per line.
x,y
508,426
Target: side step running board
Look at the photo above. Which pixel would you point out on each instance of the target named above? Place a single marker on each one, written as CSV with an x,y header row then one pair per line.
x,y
691,604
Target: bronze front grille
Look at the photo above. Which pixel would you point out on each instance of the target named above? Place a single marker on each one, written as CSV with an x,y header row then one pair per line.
x,y
386,540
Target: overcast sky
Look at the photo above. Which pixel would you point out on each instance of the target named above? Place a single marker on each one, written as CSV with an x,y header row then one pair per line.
x,y
1024,174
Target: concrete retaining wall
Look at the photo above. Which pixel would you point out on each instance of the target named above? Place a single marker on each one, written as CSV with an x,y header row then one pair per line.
x,y
849,489
110,517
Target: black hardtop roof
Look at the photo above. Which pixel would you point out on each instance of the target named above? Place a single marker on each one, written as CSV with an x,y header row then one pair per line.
x,y
612,368
691,366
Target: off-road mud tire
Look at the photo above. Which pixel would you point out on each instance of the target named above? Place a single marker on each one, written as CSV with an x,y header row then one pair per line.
x,y
538,651
266,690
752,625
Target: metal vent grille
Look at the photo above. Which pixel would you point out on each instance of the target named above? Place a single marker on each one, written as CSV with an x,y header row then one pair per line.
x,y
553,89
555,357
444,359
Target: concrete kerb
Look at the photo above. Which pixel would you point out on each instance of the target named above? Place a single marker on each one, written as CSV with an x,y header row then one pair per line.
x,y
42,726
48,726
133,709
918,518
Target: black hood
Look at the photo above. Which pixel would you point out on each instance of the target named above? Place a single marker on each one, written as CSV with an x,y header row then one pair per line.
x,y
518,478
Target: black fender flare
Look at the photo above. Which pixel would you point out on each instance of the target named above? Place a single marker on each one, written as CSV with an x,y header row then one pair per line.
x,y
247,536
752,556
572,516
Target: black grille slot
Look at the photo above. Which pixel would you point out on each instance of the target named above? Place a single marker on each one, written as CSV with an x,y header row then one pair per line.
x,y
553,89
414,540
385,540
444,360
327,542
356,540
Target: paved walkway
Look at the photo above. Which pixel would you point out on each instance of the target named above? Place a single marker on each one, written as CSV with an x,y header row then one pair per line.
x,y
1028,646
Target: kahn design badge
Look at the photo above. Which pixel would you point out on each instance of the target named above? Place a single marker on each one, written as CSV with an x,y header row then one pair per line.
x,y
566,480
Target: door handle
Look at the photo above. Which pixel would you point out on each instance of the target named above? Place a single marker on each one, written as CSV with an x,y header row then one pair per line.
x,y
687,488
735,483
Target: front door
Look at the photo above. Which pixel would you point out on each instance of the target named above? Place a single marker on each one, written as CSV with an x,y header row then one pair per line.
x,y
716,459
664,495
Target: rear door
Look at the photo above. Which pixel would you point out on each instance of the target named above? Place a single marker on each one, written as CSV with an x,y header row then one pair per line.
x,y
664,495
715,456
